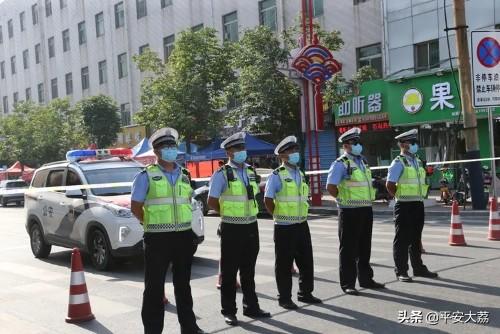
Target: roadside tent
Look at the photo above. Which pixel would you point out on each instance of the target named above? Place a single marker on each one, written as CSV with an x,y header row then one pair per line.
x,y
18,170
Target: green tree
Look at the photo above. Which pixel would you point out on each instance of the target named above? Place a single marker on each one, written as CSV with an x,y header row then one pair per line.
x,y
101,119
268,100
188,91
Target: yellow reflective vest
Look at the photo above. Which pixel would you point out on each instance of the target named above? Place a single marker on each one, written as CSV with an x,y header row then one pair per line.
x,y
356,190
167,207
290,203
411,185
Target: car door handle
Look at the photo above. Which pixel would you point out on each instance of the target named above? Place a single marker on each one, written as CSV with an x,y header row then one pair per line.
x,y
63,204
39,197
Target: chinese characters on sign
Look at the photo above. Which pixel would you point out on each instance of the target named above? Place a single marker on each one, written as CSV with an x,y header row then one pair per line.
x,y
377,126
485,47
434,318
441,93
356,105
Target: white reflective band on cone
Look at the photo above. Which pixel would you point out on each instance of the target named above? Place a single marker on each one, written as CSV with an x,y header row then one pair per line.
x,y
79,299
77,278
457,231
494,215
456,220
495,227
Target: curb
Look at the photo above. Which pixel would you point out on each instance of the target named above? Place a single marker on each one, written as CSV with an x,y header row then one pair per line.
x,y
389,213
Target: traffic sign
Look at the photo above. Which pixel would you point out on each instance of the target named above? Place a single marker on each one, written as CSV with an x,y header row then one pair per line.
x,y
485,51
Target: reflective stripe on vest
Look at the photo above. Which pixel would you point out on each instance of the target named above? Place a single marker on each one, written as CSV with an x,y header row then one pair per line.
x,y
411,185
356,191
290,203
167,207
235,207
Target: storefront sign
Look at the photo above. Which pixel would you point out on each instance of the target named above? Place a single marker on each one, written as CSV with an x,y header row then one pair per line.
x,y
377,126
485,46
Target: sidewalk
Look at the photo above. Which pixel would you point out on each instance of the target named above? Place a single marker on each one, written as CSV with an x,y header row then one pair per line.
x,y
380,208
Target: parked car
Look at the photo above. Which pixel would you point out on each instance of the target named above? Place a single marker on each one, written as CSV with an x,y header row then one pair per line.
x,y
89,214
12,191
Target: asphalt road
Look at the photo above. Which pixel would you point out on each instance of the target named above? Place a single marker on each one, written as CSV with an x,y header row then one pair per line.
x,y
34,293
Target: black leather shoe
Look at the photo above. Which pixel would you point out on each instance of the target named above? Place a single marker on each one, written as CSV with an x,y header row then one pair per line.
x,y
372,285
404,278
425,273
309,298
231,319
351,291
258,313
289,305
196,330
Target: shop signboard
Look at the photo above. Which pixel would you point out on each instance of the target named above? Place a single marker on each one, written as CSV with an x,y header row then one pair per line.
x,y
367,107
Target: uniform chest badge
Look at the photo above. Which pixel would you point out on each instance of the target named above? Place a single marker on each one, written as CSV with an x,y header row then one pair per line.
x,y
157,178
288,179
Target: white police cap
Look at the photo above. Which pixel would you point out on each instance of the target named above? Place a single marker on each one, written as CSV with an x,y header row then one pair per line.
x,y
236,139
408,135
164,136
285,144
350,134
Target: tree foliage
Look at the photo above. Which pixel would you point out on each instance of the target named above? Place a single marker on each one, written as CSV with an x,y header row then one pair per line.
x,y
101,119
188,91
37,134
265,95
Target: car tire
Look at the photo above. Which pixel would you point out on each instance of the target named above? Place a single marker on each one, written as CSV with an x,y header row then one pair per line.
x,y
18,203
203,205
39,247
99,249
3,201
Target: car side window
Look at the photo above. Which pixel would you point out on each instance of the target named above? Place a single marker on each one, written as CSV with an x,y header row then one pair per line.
x,y
39,180
72,179
55,179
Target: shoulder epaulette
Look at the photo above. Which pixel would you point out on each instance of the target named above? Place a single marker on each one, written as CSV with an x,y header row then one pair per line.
x,y
277,170
251,168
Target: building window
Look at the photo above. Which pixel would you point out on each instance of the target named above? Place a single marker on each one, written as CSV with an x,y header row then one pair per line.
x,y
370,55
2,70
5,104
168,46
268,14
53,88
99,24
82,35
15,97
27,94
143,48
85,78
125,114
142,9
197,27
426,55
10,28
122,65
359,1
26,59
22,18
1,35
119,15
40,93
63,3
37,53
48,8
52,50
103,77
230,27
34,13
166,3
13,64
69,83
65,38
318,9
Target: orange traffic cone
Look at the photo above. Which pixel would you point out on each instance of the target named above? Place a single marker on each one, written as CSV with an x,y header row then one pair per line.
x,y
79,305
457,237
494,230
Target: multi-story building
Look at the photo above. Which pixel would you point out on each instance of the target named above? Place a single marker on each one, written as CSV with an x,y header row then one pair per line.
x,y
78,48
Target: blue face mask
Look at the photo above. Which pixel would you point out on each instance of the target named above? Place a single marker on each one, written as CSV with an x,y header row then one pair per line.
x,y
169,154
294,158
357,149
413,148
240,156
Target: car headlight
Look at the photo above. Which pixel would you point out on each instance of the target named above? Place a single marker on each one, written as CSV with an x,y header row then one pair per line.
x,y
124,231
119,211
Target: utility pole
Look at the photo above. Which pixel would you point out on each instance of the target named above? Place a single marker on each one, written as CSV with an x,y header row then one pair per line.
x,y
470,121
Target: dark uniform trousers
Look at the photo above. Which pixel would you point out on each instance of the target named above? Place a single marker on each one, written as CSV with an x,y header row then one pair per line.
x,y
239,250
161,249
293,242
355,235
409,222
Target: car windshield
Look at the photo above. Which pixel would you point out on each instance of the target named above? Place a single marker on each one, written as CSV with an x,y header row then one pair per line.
x,y
111,175
17,184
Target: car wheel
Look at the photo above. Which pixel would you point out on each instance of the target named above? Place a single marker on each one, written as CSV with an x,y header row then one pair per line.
x,y
201,203
18,203
39,247
3,201
100,253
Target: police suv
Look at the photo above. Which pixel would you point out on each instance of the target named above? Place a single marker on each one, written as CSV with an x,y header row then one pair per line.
x,y
85,203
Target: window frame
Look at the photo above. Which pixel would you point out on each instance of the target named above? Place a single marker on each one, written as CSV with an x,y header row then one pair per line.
x,y
262,11
27,94
166,3
428,65
226,31
369,58
119,16
13,69
125,110
122,66
26,59
22,21
34,14
48,8
54,91
5,104
66,41
38,53
51,46
85,78
2,69
103,75
10,28
141,8
168,47
69,83
99,21
82,33
41,92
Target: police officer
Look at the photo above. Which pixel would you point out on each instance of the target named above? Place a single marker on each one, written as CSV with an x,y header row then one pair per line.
x,y
350,182
161,200
232,193
406,182
286,199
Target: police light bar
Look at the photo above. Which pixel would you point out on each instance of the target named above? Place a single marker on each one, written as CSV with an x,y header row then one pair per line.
x,y
75,155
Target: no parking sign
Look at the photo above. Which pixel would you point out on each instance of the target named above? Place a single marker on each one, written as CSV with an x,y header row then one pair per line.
x,y
485,52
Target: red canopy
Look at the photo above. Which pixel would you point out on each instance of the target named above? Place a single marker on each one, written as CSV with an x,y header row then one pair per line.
x,y
18,167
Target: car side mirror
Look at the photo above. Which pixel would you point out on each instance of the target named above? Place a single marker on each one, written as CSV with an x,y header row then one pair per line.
x,y
76,193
